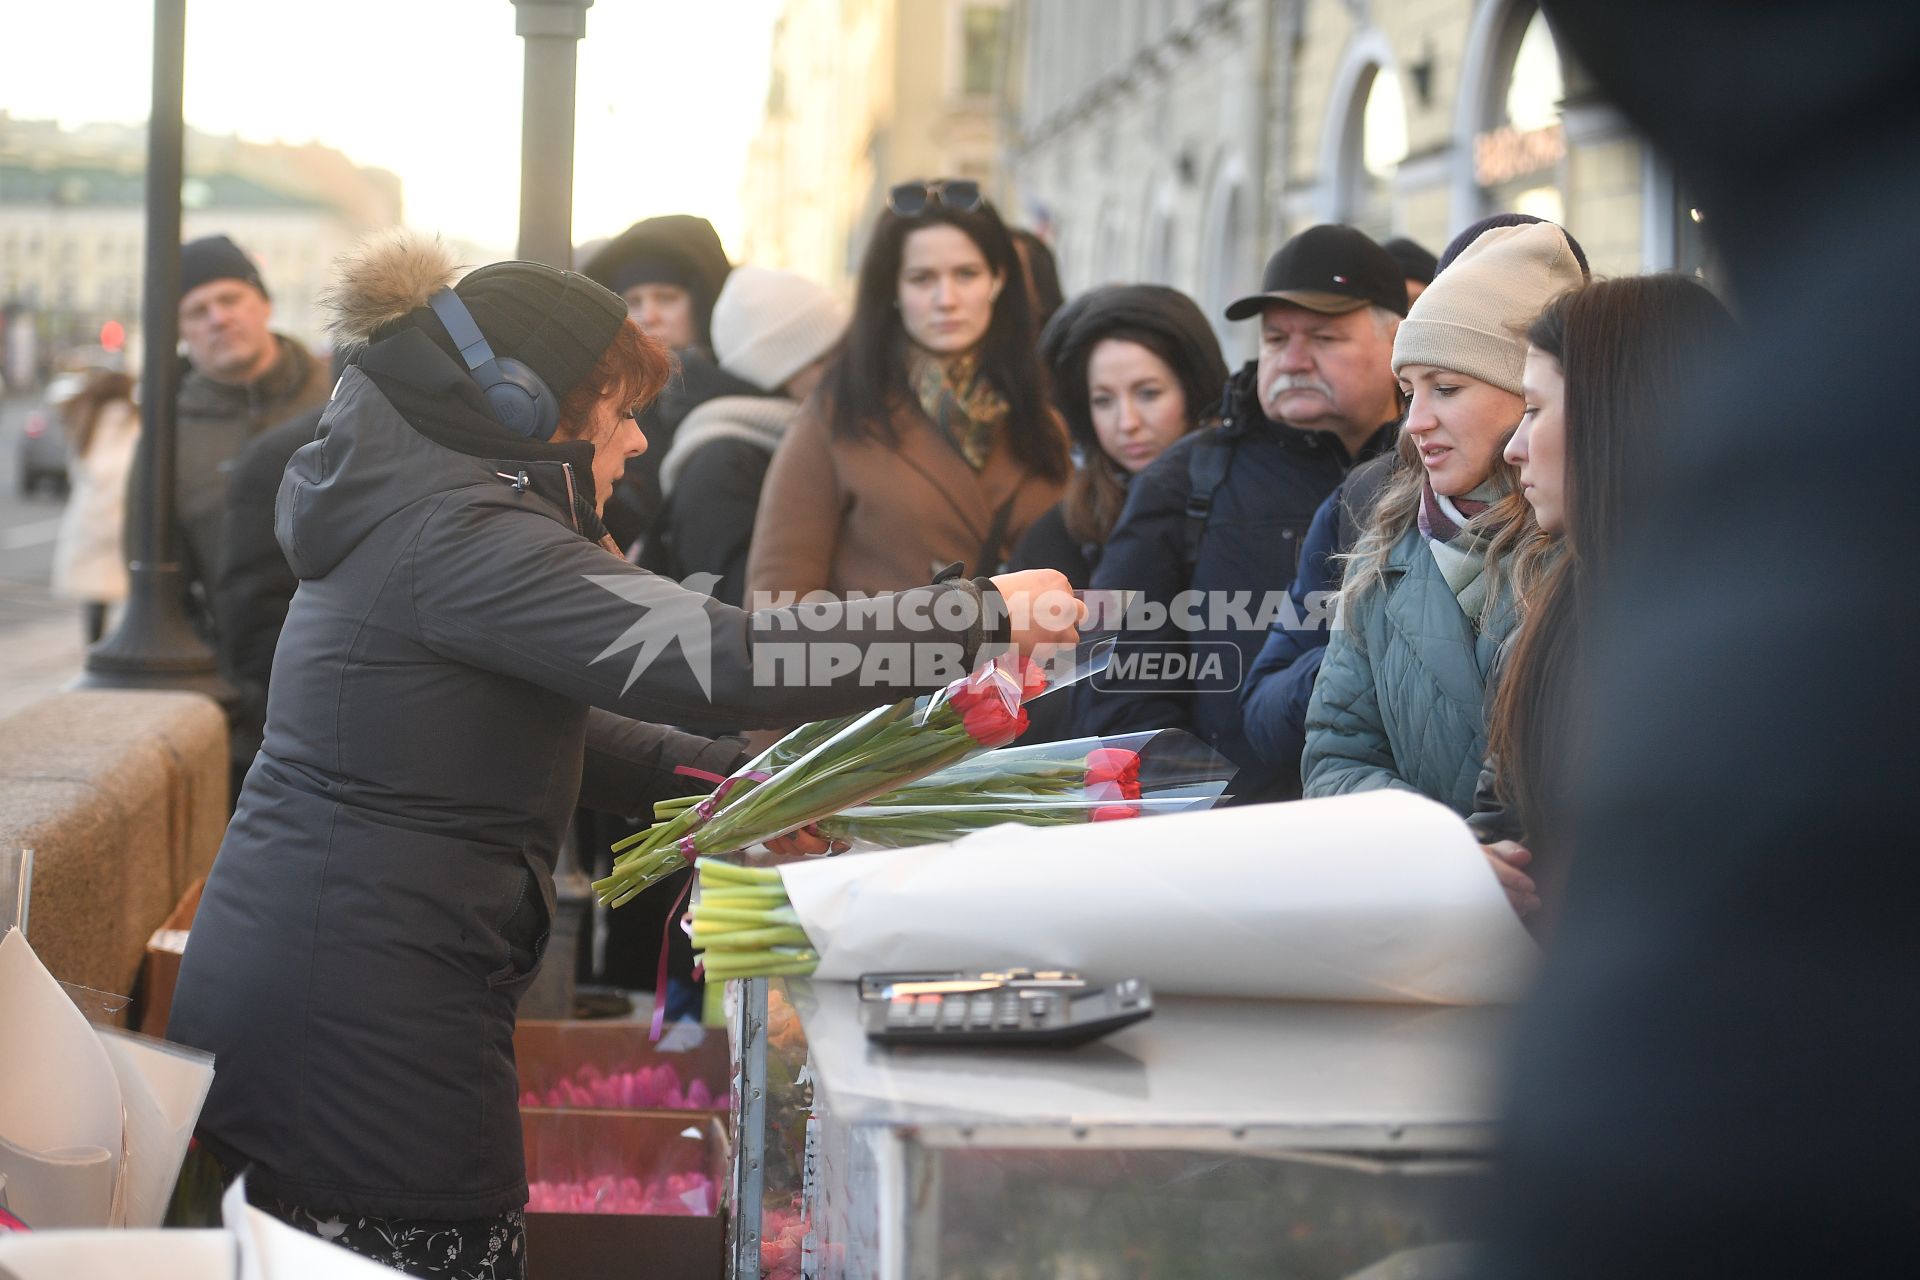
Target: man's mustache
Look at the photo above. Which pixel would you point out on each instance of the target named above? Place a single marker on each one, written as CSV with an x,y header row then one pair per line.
x,y
1285,382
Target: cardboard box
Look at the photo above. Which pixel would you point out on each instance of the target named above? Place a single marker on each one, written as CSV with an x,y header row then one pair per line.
x,y
573,1064
578,1146
160,968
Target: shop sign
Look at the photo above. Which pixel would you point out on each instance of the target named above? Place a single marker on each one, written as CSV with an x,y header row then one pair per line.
x,y
1503,154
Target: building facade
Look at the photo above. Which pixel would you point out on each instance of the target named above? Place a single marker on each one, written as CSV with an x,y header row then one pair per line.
x,y
73,224
865,94
1181,141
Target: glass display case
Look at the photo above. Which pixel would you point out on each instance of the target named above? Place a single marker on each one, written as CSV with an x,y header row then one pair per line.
x,y
1220,1138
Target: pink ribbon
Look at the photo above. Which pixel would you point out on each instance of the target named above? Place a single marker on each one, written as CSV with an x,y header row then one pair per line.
x,y
688,771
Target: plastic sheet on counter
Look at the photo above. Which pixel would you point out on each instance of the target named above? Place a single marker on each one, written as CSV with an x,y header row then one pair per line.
x,y
1380,896
1221,1071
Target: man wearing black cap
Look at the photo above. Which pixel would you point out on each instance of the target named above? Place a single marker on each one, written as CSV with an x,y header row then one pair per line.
x,y
1212,529
669,271
238,377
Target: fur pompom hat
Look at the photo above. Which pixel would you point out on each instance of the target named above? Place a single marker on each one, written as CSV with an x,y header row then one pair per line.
x,y
555,322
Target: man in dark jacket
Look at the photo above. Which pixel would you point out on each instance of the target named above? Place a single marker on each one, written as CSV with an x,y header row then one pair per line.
x,y
1715,1077
669,271
238,377
1211,530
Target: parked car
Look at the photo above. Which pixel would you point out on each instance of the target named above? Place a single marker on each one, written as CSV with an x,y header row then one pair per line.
x,y
43,439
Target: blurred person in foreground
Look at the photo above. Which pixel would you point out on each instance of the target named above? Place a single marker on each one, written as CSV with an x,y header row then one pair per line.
x,y
238,377
1222,512
1714,1076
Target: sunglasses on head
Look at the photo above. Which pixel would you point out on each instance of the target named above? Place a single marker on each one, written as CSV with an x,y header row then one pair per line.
x,y
912,198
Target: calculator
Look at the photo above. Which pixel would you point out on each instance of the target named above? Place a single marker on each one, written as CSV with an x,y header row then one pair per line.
x,y
1017,1008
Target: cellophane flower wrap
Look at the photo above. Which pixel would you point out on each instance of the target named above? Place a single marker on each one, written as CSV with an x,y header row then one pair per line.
x,y
1094,779
834,765
744,925
652,855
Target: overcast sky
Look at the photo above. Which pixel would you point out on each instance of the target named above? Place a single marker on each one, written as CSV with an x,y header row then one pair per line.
x,y
669,94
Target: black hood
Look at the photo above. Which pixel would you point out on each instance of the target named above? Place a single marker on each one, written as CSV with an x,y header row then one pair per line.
x,y
675,249
386,442
1169,321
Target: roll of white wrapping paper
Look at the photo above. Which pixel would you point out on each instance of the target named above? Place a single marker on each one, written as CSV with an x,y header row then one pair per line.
x,y
1381,896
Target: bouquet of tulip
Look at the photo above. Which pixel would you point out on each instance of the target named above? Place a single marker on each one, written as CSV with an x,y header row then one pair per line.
x,y
1045,785
822,768
1384,895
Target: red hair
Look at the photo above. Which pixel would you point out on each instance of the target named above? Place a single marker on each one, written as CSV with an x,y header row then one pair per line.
x,y
632,371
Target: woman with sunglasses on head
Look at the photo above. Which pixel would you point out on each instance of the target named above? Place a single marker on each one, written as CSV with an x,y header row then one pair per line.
x,y
930,441
1423,607
466,659
1601,363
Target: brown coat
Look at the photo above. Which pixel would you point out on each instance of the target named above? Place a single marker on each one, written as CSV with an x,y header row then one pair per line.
x,y
860,516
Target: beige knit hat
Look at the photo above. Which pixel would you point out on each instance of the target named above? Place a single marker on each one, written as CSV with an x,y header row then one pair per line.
x,y
769,325
1473,318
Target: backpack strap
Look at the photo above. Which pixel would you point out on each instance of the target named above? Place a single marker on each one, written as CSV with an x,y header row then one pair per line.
x,y
1206,472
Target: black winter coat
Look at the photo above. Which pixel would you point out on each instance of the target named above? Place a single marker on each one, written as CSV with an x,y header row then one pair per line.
x,y
449,674
216,422
1048,545
256,583
1277,478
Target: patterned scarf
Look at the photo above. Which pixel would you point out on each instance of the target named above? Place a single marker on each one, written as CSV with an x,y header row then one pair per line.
x,y
959,400
1461,555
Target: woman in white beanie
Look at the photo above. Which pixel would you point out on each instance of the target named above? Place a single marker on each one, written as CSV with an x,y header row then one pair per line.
x,y
1399,701
773,329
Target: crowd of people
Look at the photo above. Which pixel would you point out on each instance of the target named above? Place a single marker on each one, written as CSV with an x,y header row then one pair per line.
x,y
1386,525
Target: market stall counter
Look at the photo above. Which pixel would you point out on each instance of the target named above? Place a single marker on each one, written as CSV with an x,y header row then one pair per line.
x,y
1220,1138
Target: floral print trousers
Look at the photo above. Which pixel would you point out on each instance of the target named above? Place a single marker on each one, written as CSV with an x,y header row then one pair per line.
x,y
471,1249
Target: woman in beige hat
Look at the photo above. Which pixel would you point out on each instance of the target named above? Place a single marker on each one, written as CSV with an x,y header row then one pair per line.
x,y
1399,699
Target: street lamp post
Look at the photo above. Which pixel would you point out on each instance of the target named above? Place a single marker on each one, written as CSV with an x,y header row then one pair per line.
x,y
552,30
156,646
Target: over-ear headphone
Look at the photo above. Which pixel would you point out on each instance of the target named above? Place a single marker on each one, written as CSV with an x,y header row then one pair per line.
x,y
518,398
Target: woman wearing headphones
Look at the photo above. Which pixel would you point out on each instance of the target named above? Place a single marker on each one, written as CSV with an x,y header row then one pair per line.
x,y
456,674
931,441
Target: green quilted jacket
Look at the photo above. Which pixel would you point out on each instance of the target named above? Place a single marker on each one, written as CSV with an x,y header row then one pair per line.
x,y
1400,699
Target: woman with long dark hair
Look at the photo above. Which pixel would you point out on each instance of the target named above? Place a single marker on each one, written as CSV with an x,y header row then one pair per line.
x,y
1600,364
1134,367
931,441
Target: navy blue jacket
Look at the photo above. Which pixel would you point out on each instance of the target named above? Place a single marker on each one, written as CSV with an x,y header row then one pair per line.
x,y
1277,478
1279,685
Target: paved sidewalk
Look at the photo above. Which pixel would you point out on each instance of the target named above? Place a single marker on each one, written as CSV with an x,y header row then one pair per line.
x,y
40,645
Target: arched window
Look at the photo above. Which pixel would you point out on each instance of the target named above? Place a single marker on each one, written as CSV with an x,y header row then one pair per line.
x,y
1378,138
1225,251
1364,139
1157,245
1518,143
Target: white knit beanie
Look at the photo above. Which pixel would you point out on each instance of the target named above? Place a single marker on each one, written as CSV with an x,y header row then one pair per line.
x,y
769,325
1473,318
